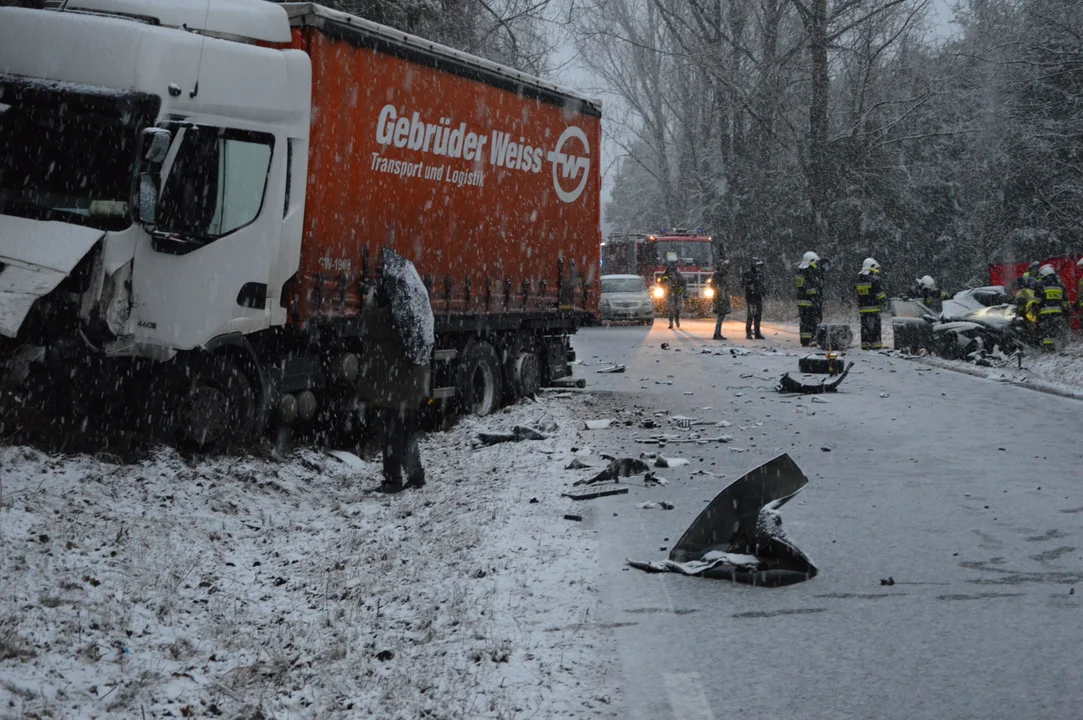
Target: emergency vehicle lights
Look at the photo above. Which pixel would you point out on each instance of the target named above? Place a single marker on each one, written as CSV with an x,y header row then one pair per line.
x,y
708,292
659,291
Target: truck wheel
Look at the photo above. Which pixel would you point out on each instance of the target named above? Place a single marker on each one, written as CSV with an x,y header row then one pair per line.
x,y
524,375
478,388
217,409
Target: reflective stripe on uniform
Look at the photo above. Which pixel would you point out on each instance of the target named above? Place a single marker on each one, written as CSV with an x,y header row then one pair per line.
x,y
1051,311
804,303
800,281
868,310
1054,293
863,289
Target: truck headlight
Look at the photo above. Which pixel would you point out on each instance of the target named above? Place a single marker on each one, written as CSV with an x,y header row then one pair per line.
x,y
708,292
659,291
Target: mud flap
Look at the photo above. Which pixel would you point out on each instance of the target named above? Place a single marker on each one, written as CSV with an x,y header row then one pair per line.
x,y
739,535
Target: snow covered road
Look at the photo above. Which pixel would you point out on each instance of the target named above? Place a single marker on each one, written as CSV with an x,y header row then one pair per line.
x,y
246,588
968,493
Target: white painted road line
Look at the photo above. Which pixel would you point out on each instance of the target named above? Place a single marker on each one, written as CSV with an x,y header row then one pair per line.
x,y
686,697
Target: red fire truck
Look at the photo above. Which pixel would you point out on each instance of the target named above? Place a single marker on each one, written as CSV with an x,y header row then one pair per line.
x,y
647,255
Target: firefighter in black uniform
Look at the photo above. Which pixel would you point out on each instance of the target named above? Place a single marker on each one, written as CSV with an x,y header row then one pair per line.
x,y
755,289
871,299
675,284
1053,306
1029,279
926,292
810,296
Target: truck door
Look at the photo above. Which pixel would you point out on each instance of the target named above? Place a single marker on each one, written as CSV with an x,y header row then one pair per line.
x,y
205,267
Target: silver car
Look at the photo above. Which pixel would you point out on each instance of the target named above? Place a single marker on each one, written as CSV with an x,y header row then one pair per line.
x,y
625,297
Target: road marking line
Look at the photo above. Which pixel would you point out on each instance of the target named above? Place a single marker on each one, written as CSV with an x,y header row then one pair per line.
x,y
686,696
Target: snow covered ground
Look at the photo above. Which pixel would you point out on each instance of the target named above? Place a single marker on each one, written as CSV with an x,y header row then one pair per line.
x,y
249,588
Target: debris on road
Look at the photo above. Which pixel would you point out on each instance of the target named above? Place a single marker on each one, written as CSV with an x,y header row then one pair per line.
x,y
663,462
789,385
739,535
885,395
570,516
612,370
651,479
595,493
618,468
599,424
517,434
576,464
654,506
887,581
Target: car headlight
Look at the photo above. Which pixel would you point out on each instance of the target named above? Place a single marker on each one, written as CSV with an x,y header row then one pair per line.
x,y
708,293
659,291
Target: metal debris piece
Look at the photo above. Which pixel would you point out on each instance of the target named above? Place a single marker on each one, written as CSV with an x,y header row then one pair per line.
x,y
788,385
595,493
739,535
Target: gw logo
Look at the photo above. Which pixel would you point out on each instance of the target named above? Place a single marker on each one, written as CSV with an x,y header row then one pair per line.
x,y
572,165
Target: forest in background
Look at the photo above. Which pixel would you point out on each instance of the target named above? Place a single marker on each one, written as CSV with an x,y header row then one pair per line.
x,y
848,127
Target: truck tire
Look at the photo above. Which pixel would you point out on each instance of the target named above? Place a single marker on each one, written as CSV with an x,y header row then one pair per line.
x,y
523,373
217,408
479,386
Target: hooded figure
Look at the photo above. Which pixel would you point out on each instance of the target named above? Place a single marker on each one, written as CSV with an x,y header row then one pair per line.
x,y
393,381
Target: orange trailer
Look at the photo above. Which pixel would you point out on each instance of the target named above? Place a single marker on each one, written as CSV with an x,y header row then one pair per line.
x,y
487,179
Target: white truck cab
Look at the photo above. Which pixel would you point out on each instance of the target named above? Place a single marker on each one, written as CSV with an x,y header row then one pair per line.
x,y
206,119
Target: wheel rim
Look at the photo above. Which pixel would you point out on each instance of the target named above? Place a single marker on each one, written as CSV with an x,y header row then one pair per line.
x,y
206,414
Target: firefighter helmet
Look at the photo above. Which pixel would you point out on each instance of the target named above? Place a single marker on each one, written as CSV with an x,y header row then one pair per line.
x,y
927,282
808,258
1046,271
869,265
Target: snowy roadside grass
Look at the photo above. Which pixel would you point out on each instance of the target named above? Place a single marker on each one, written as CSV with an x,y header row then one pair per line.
x,y
1060,372
248,588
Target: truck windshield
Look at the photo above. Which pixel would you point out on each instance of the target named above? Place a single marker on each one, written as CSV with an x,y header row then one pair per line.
x,y
68,152
688,252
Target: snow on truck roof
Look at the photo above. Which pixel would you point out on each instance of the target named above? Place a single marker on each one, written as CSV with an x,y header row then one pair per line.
x,y
414,48
244,19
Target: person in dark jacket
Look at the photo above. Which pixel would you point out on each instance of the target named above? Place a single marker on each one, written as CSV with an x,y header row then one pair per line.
x,y
675,284
755,289
720,284
871,299
810,296
393,381
1053,301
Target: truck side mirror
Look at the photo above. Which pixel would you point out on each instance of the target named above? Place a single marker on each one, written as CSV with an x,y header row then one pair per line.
x,y
156,142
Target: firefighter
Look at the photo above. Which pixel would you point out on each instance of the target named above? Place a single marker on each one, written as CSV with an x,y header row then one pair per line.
x,y
755,289
1052,305
675,284
871,300
1029,278
926,292
810,296
720,282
